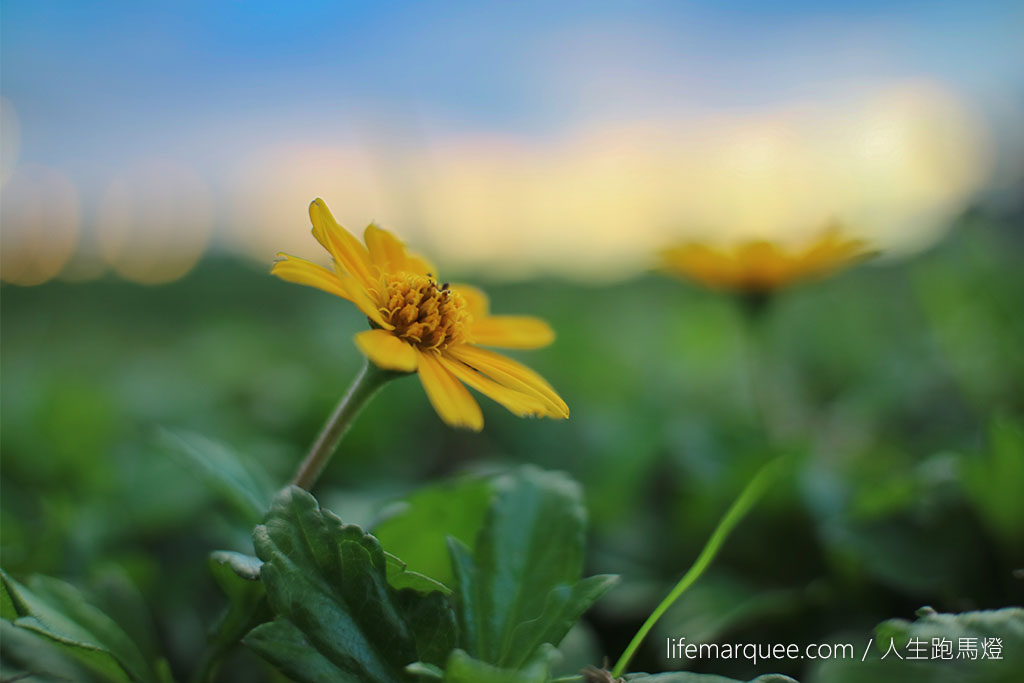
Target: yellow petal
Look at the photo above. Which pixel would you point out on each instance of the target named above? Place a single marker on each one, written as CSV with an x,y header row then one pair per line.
x,y
349,254
763,265
388,253
514,401
414,263
387,351
512,332
303,272
701,263
477,302
509,373
358,295
452,401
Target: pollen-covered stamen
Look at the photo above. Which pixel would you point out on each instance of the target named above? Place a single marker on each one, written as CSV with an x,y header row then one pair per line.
x,y
427,314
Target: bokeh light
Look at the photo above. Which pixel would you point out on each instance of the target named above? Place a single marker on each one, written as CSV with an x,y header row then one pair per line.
x,y
271,189
154,222
39,218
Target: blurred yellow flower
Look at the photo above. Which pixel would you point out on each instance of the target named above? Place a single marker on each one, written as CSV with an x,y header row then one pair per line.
x,y
422,325
761,266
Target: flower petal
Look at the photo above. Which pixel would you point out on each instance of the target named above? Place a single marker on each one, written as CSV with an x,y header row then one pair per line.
x,y
452,401
516,402
699,262
387,351
512,332
358,295
303,272
349,254
509,373
388,253
477,302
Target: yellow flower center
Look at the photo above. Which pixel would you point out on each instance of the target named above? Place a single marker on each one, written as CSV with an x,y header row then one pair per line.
x,y
429,315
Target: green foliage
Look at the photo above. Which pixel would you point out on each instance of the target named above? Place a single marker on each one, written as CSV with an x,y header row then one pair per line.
x,y
1002,628
336,616
417,529
994,482
461,668
223,471
687,677
60,613
898,383
520,587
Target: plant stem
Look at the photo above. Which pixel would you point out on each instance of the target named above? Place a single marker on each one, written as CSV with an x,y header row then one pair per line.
x,y
366,384
764,478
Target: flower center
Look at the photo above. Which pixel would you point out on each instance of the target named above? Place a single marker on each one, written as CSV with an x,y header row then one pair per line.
x,y
429,315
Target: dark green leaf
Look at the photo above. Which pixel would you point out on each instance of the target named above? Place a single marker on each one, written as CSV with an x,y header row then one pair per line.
x,y
8,610
37,659
521,587
58,612
337,617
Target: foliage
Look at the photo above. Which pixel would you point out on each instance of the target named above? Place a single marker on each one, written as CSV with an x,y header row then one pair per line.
x,y
896,388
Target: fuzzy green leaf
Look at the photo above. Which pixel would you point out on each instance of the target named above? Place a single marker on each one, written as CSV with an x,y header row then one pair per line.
x,y
337,617
521,586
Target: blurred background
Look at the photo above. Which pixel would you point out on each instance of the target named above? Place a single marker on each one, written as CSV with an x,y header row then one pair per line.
x,y
156,156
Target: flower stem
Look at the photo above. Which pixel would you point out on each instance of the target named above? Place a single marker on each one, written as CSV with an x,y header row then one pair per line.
x,y
366,384
764,478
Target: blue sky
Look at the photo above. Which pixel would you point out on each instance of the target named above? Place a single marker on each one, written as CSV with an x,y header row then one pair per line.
x,y
391,105
84,76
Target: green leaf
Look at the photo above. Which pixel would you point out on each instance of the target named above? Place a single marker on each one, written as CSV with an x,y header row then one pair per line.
x,y
8,610
58,612
242,565
337,617
521,586
222,470
30,657
400,577
416,529
238,576
461,668
993,481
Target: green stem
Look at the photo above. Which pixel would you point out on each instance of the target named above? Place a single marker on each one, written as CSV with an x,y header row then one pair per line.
x,y
366,384
764,478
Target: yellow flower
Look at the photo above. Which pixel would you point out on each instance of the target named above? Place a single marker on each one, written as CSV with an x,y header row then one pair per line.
x,y
419,324
762,266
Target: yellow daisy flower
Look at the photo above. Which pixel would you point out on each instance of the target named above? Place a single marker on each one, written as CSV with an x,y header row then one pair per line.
x,y
419,324
762,266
